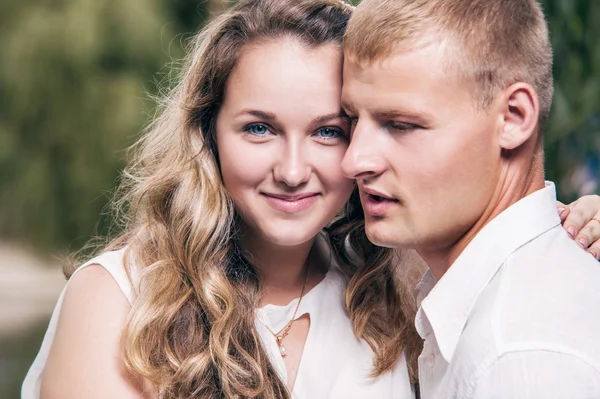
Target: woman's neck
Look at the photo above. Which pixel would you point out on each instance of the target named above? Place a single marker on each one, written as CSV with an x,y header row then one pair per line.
x,y
282,270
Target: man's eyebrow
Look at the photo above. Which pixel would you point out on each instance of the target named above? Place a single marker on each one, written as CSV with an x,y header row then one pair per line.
x,y
390,112
329,117
396,112
259,114
348,107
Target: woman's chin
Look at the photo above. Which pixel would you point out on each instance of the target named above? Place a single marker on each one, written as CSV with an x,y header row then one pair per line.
x,y
289,240
290,234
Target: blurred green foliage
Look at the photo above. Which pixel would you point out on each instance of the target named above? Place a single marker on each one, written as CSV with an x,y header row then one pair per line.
x,y
75,83
573,133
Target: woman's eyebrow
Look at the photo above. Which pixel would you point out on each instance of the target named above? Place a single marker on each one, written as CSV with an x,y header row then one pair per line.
x,y
328,117
259,114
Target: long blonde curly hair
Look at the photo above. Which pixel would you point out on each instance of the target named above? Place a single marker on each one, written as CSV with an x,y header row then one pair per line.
x,y
191,328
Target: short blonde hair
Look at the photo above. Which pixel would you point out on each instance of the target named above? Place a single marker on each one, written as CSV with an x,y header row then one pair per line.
x,y
499,42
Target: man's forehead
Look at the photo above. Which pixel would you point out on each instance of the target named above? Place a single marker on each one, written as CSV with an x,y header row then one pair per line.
x,y
401,70
439,52
400,90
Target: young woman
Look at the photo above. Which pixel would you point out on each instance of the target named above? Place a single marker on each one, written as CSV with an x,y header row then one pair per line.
x,y
229,279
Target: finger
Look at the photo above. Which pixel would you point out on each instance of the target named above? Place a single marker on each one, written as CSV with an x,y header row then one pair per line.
x,y
594,249
589,234
578,217
563,211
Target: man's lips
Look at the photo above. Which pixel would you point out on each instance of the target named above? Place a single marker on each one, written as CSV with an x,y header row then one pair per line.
x,y
291,203
377,203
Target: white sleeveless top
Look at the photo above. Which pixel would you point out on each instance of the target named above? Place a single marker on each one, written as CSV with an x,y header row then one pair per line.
x,y
334,364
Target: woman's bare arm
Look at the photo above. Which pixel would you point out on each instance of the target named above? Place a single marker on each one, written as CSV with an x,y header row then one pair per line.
x,y
86,359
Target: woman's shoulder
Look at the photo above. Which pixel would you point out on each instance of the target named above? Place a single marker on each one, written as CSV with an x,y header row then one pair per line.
x,y
119,267
85,329
93,315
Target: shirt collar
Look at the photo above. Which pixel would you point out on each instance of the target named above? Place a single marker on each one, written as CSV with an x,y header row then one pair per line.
x,y
448,302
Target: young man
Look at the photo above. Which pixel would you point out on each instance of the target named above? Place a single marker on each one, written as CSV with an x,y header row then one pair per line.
x,y
449,99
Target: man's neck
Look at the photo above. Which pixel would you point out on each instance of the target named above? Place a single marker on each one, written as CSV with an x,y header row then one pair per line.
x,y
515,183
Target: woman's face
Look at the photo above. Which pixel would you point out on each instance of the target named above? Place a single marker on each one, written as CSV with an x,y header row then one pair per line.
x,y
281,137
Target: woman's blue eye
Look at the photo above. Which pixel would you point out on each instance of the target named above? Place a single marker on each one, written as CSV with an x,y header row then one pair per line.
x,y
257,129
329,133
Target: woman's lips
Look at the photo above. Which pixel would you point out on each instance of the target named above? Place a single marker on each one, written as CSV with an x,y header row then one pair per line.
x,y
291,204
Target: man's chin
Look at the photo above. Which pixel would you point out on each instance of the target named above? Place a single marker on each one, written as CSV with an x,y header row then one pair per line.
x,y
384,237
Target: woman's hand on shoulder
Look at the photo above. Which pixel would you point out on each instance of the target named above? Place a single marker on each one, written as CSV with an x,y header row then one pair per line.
x,y
86,358
581,219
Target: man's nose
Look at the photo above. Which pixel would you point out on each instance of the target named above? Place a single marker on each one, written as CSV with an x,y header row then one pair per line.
x,y
365,154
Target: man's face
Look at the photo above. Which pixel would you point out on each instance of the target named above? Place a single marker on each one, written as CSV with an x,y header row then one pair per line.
x,y
426,159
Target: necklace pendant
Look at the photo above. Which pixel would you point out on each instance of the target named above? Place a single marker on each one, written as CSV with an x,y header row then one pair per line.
x,y
282,350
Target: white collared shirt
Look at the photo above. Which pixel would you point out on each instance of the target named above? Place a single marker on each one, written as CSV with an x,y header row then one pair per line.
x,y
334,365
517,315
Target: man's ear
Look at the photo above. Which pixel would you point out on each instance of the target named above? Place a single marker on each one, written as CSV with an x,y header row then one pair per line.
x,y
520,110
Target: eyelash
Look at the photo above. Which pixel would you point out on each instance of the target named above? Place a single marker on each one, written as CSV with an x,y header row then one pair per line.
x,y
248,128
398,126
403,126
339,132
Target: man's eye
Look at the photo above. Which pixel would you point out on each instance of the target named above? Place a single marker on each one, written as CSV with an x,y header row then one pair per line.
x,y
257,129
402,126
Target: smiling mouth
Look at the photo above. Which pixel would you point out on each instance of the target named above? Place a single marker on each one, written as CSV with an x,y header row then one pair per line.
x,y
291,204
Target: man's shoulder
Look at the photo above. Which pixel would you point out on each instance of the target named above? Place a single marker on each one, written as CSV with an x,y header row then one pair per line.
x,y
554,252
549,279
545,297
